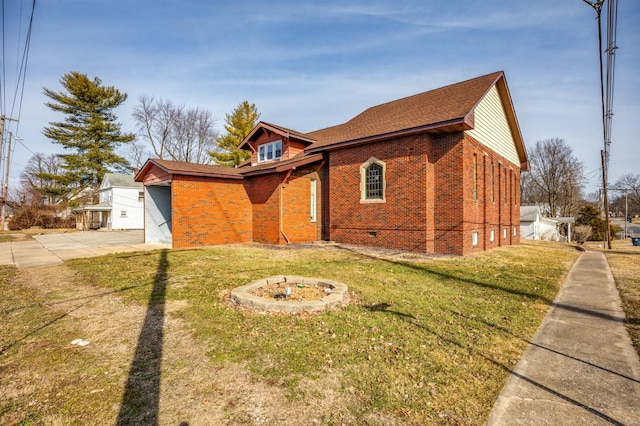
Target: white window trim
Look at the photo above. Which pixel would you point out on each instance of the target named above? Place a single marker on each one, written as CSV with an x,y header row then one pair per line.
x,y
492,236
363,182
264,148
313,200
474,238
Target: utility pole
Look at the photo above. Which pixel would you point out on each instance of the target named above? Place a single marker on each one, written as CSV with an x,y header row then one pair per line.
x,y
5,186
606,102
626,208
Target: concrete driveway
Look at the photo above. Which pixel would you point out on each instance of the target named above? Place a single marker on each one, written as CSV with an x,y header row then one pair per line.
x,y
54,249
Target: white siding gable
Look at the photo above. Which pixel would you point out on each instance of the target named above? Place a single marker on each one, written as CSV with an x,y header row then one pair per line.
x,y
105,183
127,210
491,127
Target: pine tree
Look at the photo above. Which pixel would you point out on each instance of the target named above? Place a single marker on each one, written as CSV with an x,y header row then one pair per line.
x,y
239,124
89,132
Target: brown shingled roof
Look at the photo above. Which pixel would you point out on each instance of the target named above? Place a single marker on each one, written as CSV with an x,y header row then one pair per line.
x,y
263,126
450,107
190,169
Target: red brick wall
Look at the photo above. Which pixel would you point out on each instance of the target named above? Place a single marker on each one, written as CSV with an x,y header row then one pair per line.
x,y
208,211
400,222
482,215
447,182
296,216
264,193
430,204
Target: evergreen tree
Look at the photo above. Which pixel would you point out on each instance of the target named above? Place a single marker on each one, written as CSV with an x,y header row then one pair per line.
x,y
239,124
89,132
591,216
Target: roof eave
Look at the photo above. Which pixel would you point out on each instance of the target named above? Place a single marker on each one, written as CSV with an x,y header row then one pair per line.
x,y
454,125
139,177
505,96
265,126
150,162
309,159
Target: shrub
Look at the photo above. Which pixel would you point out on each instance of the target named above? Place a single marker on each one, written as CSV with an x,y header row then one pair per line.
x,y
26,217
582,233
590,216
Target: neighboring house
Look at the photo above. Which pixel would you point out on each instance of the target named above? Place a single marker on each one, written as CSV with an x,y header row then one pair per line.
x,y
120,205
437,172
530,223
534,226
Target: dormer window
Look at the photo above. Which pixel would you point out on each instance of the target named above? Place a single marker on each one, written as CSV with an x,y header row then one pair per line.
x,y
270,151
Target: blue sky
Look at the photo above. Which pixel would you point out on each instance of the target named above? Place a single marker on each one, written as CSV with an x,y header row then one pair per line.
x,y
308,65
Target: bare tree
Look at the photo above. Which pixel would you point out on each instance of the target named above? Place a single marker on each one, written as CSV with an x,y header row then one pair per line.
x,y
193,136
174,132
137,152
629,184
555,179
39,181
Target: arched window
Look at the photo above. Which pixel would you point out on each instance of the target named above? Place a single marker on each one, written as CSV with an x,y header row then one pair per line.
x,y
372,181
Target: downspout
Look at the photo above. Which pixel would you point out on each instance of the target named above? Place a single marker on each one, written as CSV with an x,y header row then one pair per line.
x,y
284,182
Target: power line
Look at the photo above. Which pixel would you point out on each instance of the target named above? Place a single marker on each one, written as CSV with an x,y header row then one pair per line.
x,y
4,72
606,101
612,23
22,74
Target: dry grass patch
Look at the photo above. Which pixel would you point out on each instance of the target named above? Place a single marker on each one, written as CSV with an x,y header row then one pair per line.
x,y
624,260
427,341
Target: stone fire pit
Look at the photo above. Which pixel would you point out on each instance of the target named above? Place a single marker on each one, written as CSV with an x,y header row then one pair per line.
x,y
333,293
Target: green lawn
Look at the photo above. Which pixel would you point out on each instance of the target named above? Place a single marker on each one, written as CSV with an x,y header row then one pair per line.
x,y
423,341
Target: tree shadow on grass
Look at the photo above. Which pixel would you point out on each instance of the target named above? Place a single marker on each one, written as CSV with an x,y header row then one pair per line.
x,y
383,309
444,275
141,398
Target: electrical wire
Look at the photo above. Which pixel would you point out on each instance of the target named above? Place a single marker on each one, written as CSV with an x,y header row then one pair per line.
x,y
12,122
18,94
4,73
612,23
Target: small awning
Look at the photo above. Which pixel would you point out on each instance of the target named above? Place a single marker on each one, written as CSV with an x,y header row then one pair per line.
x,y
561,219
101,207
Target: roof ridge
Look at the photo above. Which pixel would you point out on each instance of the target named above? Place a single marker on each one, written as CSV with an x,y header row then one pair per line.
x,y
437,89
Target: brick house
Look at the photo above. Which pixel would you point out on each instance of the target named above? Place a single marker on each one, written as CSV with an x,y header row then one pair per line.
x,y
437,172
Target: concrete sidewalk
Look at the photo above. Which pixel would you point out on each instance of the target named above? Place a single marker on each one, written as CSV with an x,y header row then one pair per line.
x,y
54,249
581,368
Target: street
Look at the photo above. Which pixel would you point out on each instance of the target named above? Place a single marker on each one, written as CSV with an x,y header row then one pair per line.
x,y
633,229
